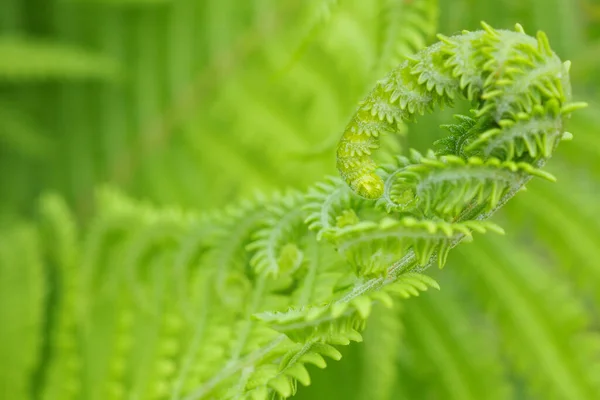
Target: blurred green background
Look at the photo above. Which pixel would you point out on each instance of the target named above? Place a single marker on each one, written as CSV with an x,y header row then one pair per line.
x,y
199,103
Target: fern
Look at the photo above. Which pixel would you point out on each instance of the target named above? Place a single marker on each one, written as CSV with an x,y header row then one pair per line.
x,y
22,313
437,326
569,367
237,303
340,319
406,29
61,373
380,352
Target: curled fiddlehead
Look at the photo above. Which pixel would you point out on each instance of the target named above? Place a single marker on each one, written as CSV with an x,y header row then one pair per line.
x,y
519,88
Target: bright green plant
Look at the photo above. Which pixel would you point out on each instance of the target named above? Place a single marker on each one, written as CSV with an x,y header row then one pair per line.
x,y
194,104
235,304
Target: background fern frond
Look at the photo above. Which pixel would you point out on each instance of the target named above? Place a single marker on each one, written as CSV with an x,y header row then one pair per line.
x,y
381,350
566,369
437,325
24,295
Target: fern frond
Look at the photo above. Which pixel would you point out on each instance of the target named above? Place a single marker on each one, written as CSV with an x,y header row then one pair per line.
x,y
406,29
273,245
239,225
327,202
571,231
526,134
282,379
341,321
462,357
445,185
321,275
465,129
471,65
372,247
23,294
380,352
62,377
537,327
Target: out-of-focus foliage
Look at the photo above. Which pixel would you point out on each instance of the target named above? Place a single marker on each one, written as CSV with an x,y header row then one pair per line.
x,y
197,103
